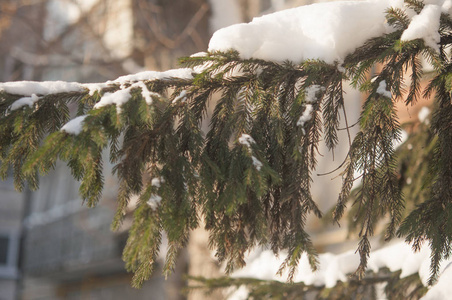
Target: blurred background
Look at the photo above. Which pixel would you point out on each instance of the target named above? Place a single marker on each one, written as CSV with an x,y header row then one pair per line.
x,y
51,246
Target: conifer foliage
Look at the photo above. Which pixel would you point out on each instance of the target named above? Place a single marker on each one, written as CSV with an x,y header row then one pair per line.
x,y
248,173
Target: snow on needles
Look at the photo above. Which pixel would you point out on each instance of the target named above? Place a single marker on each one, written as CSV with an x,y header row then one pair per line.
x,y
123,95
183,73
425,26
74,126
154,201
28,88
118,98
336,267
326,31
247,140
311,96
31,89
25,101
382,89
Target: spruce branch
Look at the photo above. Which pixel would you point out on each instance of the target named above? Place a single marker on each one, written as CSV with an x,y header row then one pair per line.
x,y
248,174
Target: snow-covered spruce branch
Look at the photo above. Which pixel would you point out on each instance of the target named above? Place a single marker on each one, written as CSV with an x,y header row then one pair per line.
x,y
248,174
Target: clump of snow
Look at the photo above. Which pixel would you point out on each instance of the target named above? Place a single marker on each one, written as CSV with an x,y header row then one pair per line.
x,y
311,96
325,31
382,89
246,139
182,97
28,88
305,117
425,26
256,163
145,93
311,93
95,87
122,95
447,7
74,126
423,114
118,98
199,54
183,73
154,201
25,101
157,181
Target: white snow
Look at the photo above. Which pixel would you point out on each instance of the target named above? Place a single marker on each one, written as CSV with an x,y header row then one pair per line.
x,y
325,31
118,98
305,117
182,97
25,101
32,90
311,93
183,73
154,201
337,267
423,114
382,89
95,87
425,26
74,126
157,181
246,139
28,88
447,7
311,96
203,54
145,93
256,163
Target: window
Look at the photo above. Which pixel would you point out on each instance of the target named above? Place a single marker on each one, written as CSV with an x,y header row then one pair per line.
x,y
4,245
9,251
